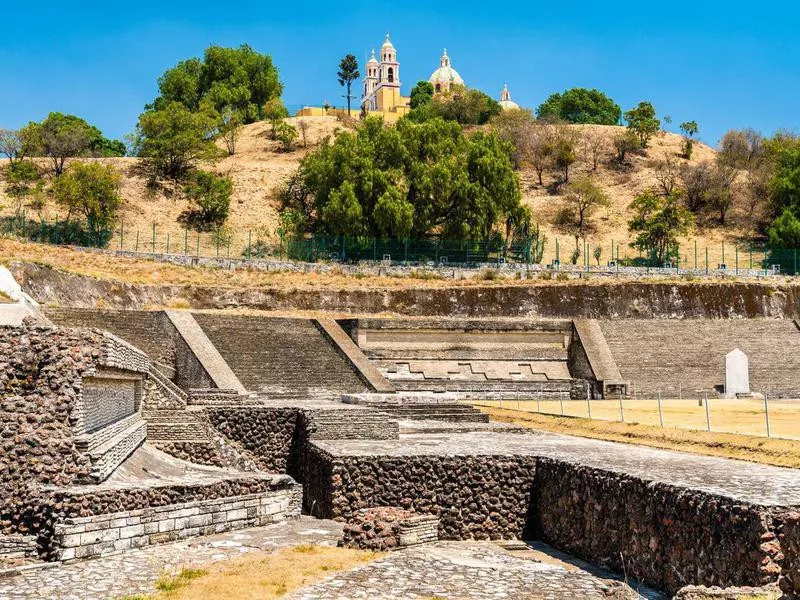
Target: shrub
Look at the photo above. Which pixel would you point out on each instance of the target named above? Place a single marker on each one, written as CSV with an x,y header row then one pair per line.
x,y
211,194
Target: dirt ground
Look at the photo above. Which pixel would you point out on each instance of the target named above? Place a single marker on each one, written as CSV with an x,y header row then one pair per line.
x,y
753,448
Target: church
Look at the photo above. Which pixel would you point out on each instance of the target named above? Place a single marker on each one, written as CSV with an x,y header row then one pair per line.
x,y
382,95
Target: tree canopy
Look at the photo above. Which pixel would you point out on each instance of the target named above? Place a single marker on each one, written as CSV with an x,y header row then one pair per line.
x,y
658,222
579,105
239,78
61,136
464,105
643,122
173,139
347,74
421,93
92,190
407,180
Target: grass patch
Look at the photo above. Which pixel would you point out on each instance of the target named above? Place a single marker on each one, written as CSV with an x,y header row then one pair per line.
x,y
260,576
768,451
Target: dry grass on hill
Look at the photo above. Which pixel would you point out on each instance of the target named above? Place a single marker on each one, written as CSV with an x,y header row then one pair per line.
x,y
259,167
260,576
769,451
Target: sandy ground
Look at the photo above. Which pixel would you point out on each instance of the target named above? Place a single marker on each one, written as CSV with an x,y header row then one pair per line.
x,y
259,167
754,448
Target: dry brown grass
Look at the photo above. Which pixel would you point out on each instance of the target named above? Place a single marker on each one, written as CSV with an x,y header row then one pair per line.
x,y
778,452
145,271
262,576
257,169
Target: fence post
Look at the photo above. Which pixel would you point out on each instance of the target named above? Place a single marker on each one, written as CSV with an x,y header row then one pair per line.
x,y
737,260
217,236
706,260
561,402
154,238
539,401
137,240
167,250
766,412
185,242
249,242
621,408
695,254
588,401
198,244
121,232
557,253
708,414
723,252
660,413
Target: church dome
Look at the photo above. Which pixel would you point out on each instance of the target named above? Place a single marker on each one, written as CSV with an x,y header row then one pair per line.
x,y
387,45
506,103
445,75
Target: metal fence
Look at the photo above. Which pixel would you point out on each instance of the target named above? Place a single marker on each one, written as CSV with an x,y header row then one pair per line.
x,y
760,415
586,254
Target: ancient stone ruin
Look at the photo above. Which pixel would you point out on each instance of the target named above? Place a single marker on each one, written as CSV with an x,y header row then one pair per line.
x,y
122,429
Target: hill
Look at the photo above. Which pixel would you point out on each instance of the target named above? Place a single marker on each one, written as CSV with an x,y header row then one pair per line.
x,y
259,166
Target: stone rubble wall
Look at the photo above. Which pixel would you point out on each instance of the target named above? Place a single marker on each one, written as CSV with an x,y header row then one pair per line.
x,y
85,537
41,392
388,528
790,546
480,497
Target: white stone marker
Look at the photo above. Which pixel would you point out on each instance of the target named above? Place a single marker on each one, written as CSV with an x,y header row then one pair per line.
x,y
737,373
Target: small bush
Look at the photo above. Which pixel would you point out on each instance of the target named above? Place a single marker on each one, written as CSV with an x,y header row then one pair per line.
x,y
489,275
424,274
546,276
212,196
562,276
167,583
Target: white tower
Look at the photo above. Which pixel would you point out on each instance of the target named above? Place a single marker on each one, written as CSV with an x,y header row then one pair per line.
x,y
389,67
505,99
370,83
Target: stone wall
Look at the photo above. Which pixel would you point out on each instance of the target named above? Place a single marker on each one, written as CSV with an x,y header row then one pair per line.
x,y
790,546
776,298
480,497
659,534
42,408
269,435
84,537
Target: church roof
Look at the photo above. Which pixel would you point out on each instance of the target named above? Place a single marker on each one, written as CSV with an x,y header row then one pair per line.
x,y
446,73
506,103
372,59
387,44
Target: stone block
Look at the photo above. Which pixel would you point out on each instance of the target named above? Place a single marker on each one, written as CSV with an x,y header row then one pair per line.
x,y
131,531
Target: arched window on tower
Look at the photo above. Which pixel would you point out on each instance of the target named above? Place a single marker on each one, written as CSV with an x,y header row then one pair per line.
x,y
438,87
390,75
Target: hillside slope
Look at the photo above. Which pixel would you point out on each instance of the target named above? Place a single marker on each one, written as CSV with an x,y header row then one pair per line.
x,y
258,168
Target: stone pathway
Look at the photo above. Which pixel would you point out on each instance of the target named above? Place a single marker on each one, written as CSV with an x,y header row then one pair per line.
x,y
474,571
462,570
136,571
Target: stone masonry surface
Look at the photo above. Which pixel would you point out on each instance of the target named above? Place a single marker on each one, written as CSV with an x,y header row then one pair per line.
x,y
42,370
478,571
671,519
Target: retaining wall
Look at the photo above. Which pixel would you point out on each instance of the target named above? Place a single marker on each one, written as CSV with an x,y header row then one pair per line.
x,y
597,299
84,537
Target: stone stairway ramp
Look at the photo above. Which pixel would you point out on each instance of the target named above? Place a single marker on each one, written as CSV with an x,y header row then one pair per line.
x,y
466,354
339,424
657,354
166,426
170,394
204,351
281,358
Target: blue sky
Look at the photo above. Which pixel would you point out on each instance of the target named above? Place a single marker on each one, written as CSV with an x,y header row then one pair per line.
x,y
724,64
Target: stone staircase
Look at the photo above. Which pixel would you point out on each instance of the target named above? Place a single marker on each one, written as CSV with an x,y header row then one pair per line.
x,y
168,426
455,413
281,358
337,424
149,331
665,354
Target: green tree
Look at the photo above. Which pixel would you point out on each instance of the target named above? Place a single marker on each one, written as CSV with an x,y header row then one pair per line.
x,y
408,180
211,194
624,143
565,149
286,134
689,129
422,93
784,232
658,222
464,105
514,126
275,112
22,181
174,139
347,74
229,125
237,77
784,183
643,122
579,105
92,190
